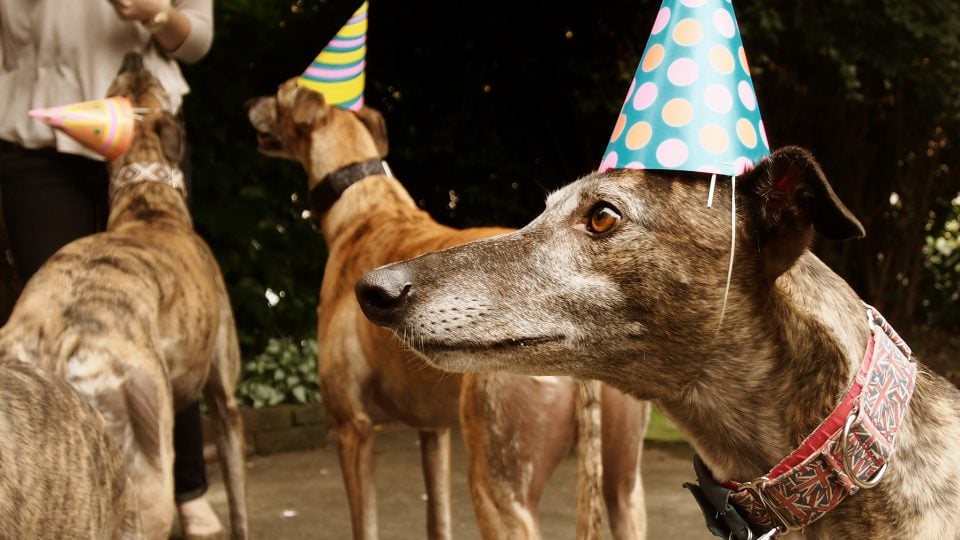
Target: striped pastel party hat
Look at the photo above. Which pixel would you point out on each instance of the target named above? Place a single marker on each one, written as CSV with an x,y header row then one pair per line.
x,y
337,72
103,125
691,105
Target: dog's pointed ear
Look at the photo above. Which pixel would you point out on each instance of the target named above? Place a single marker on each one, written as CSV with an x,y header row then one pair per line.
x,y
792,199
171,135
308,107
377,127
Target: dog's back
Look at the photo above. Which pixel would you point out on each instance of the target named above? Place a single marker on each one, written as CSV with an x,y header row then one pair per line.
x,y
137,319
61,474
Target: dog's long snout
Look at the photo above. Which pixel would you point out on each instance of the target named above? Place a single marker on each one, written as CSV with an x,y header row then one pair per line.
x,y
132,63
384,293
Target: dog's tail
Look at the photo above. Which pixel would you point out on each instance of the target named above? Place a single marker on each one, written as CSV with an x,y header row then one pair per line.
x,y
590,508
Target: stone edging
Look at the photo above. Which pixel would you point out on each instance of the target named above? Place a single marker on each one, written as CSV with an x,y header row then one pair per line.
x,y
277,429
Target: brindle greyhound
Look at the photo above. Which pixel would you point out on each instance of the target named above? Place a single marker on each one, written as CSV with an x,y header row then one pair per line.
x,y
623,279
61,473
137,318
516,429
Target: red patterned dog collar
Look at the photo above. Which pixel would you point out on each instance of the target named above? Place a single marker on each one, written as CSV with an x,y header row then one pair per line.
x,y
849,451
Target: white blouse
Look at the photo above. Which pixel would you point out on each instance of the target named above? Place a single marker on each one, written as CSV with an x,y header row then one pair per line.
x,y
56,52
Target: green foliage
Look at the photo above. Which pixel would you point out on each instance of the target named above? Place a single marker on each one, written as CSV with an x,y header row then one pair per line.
x,y
661,429
248,207
873,88
285,372
942,252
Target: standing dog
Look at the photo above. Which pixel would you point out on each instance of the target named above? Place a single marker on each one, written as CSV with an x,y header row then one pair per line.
x,y
516,429
137,318
624,277
61,473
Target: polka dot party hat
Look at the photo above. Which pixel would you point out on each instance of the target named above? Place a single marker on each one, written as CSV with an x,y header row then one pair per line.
x,y
103,125
337,72
691,105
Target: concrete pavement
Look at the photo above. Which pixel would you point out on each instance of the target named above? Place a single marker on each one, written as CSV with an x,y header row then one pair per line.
x,y
300,495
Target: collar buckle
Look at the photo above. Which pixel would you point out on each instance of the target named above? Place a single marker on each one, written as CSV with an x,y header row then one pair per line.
x,y
848,467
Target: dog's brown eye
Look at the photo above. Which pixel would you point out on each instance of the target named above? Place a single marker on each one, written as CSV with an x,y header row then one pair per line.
x,y
603,218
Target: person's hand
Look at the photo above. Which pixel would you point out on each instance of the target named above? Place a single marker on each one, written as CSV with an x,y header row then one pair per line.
x,y
137,10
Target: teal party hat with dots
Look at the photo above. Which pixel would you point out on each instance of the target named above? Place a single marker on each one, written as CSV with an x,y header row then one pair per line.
x,y
691,105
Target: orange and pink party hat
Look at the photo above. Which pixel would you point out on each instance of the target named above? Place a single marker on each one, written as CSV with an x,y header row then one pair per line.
x,y
103,125
338,71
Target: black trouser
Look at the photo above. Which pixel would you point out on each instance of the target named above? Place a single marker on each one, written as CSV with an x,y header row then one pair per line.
x,y
50,199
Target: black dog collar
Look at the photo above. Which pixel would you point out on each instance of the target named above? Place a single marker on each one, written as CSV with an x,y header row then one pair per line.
x,y
331,186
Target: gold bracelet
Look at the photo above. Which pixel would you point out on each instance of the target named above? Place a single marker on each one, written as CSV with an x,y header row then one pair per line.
x,y
159,19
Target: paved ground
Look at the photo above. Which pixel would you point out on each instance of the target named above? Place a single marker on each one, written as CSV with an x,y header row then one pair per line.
x,y
300,494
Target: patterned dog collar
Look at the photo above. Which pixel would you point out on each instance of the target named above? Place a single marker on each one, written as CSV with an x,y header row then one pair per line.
x,y
849,451
135,172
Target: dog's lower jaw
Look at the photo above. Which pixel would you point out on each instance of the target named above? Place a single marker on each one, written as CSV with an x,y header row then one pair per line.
x,y
525,356
271,146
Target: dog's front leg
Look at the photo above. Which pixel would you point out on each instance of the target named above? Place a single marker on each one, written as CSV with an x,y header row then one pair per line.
x,y
435,454
623,427
355,448
516,430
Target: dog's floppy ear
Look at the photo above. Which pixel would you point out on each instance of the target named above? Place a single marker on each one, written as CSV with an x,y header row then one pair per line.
x,y
308,106
793,199
171,136
377,127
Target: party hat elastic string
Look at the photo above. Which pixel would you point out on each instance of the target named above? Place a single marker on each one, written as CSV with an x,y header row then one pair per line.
x,y
733,246
138,112
713,185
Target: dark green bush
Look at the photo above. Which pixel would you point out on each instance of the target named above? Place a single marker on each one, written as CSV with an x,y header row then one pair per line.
x,y
285,372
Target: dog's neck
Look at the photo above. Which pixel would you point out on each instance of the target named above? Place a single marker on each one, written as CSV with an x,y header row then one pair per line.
x,y
359,201
328,190
781,381
147,192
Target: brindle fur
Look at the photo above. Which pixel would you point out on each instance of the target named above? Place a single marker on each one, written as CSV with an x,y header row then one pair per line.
x,y
61,473
516,429
639,308
137,319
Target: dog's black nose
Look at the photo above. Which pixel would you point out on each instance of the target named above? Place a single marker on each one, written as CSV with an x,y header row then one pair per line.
x,y
383,294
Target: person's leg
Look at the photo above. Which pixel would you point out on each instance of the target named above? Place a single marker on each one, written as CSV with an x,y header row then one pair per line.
x,y
197,518
49,200
189,469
